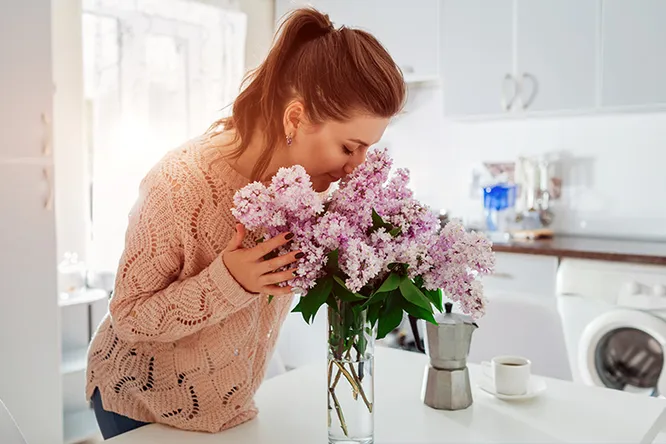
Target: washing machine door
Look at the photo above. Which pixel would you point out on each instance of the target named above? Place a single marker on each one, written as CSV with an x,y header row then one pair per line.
x,y
623,349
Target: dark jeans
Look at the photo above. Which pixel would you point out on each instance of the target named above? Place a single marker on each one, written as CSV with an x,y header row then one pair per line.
x,y
112,424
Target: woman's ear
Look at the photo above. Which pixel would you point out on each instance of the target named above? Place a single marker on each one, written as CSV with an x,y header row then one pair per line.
x,y
294,116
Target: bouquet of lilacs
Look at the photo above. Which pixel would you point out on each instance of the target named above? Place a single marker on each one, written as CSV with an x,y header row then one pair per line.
x,y
372,253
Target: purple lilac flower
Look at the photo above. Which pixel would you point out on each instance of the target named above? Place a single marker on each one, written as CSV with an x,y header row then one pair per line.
x,y
448,258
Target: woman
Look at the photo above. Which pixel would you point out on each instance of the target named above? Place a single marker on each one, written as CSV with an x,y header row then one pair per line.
x,y
190,330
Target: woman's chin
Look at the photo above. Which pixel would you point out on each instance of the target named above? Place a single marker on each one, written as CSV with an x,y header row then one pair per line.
x,y
322,184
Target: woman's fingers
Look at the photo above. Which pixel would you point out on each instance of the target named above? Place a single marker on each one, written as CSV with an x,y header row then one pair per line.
x,y
264,248
274,290
271,265
276,278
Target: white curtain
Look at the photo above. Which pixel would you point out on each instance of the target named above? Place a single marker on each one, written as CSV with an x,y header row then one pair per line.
x,y
157,72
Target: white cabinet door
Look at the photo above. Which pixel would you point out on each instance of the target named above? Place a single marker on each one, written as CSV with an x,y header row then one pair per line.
x,y
26,84
408,30
523,274
556,48
634,52
30,385
476,56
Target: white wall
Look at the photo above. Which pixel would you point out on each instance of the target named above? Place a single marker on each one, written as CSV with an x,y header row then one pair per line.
x,y
613,169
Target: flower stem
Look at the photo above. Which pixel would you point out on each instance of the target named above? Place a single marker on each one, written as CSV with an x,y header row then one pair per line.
x,y
330,373
349,377
338,409
360,387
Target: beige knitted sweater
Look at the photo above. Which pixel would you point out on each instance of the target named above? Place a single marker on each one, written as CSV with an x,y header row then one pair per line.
x,y
183,344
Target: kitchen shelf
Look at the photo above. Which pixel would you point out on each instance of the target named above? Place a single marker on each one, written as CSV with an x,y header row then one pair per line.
x,y
85,296
80,426
74,361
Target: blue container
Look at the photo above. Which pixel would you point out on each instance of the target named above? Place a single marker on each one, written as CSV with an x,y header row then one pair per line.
x,y
498,201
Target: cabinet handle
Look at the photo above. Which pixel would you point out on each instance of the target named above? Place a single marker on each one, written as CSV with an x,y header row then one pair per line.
x,y
48,204
533,91
509,79
46,140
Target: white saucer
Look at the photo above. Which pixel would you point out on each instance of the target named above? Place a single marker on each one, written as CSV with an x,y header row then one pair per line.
x,y
534,388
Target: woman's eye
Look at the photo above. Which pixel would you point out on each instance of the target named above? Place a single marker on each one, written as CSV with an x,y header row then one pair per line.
x,y
347,150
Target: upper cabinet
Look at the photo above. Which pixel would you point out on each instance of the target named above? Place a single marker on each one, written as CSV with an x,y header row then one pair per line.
x,y
555,54
477,56
521,57
518,56
633,53
408,30
26,79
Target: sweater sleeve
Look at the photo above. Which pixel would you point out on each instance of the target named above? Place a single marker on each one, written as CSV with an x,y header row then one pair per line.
x,y
150,302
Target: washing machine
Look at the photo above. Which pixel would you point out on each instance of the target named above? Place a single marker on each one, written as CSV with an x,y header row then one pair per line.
x,y
614,321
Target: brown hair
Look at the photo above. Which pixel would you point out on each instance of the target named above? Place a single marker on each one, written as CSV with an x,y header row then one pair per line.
x,y
333,71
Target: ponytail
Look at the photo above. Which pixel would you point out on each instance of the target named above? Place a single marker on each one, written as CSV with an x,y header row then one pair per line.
x,y
331,70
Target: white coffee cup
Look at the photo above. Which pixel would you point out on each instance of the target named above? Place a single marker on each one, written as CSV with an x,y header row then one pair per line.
x,y
511,374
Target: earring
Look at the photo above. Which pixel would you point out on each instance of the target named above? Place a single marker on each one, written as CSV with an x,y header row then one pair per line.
x,y
289,139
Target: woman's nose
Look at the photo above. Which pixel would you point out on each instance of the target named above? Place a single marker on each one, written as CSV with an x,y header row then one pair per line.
x,y
355,161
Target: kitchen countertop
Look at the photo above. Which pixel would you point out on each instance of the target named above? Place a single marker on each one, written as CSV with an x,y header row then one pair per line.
x,y
635,251
292,408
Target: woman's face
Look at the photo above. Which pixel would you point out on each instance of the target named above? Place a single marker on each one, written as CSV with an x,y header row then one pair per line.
x,y
332,150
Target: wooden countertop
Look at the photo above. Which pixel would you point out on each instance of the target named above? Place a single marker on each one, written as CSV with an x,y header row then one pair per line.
x,y
635,251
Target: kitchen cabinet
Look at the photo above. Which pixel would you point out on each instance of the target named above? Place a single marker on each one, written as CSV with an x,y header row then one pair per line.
x,y
633,53
523,274
556,47
518,56
477,56
29,341
30,385
25,79
408,30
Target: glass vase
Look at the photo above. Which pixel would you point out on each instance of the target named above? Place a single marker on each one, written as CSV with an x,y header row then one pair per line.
x,y
351,347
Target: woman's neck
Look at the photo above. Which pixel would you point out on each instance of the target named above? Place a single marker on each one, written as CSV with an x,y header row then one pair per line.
x,y
245,163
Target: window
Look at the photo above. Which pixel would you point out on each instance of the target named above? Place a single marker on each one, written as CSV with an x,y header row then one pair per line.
x,y
155,74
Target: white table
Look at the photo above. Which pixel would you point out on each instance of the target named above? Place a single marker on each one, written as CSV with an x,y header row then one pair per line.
x,y
293,409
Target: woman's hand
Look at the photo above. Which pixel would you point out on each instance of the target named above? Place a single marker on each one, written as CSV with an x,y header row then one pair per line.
x,y
252,272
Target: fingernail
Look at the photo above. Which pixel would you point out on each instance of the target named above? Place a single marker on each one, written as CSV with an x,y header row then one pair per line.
x,y
289,236
300,255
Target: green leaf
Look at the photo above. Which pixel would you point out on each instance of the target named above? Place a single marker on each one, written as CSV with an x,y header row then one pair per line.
x,y
270,298
376,299
435,296
412,293
343,292
332,262
377,221
391,282
390,316
418,312
395,232
315,298
373,313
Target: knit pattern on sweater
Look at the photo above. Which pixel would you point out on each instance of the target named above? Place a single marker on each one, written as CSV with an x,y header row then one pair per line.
x,y
183,343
